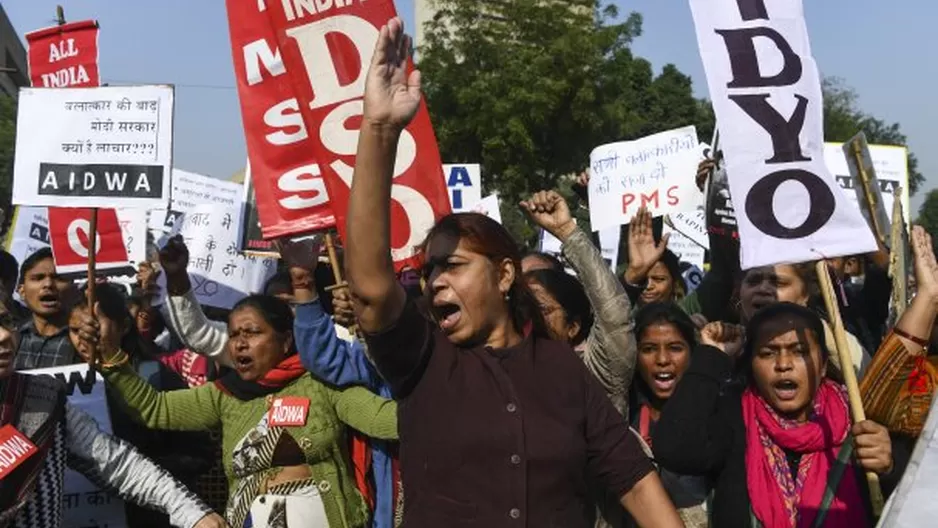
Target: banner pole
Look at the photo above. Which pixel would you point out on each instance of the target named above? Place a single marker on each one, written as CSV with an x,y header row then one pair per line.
x,y
90,290
60,15
850,377
336,271
871,204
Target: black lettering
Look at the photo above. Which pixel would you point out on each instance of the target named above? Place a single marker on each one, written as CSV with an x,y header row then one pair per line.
x,y
785,133
56,179
84,383
759,204
741,47
752,9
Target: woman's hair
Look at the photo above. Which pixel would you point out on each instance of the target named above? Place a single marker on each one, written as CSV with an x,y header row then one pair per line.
x,y
552,261
487,237
673,264
777,319
666,312
112,304
570,295
274,311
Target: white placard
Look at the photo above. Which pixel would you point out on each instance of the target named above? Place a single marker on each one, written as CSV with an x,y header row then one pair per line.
x,y
656,171
892,170
133,222
489,206
190,190
693,225
767,98
94,147
83,503
29,232
220,274
464,183
686,249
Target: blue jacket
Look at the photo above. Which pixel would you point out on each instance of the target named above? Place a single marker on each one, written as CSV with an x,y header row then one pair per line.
x,y
341,363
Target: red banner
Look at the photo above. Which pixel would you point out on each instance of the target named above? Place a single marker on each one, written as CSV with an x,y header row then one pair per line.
x,y
15,448
64,56
69,230
291,193
327,49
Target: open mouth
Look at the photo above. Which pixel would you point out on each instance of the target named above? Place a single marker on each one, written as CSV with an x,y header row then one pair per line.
x,y
243,363
49,300
786,390
447,314
664,381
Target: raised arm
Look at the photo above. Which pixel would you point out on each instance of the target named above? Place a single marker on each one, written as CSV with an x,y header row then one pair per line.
x,y
367,412
114,464
611,352
392,97
182,311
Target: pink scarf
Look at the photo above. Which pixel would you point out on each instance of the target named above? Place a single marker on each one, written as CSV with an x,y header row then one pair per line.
x,y
778,501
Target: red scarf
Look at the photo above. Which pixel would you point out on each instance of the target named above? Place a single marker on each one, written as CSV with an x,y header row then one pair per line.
x,y
277,378
778,501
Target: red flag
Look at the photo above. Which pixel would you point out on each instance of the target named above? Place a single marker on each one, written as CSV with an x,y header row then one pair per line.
x,y
64,56
69,230
291,194
327,50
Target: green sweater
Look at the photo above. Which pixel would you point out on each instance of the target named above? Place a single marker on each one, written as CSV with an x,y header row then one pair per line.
x,y
323,438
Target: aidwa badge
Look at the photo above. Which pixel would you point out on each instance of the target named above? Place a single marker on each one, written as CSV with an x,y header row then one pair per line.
x,y
70,230
64,56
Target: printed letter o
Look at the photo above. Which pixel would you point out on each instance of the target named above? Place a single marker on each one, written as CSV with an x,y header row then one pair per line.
x,y
761,212
81,225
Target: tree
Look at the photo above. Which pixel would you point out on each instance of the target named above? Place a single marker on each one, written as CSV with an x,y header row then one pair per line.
x,y
843,119
7,146
528,88
928,214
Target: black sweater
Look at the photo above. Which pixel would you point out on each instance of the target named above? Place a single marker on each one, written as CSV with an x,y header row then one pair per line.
x,y
701,432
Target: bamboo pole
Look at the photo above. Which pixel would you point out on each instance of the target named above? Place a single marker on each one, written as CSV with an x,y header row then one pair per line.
x,y
871,202
92,283
850,377
336,272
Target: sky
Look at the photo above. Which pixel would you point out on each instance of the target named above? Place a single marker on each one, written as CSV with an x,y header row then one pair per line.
x,y
879,49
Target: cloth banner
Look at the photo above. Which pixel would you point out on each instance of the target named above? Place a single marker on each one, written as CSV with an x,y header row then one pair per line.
x,y
64,56
291,194
655,171
85,504
326,51
767,98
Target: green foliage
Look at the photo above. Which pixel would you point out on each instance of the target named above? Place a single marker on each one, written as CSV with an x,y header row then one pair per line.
x,y
528,88
843,119
7,145
928,214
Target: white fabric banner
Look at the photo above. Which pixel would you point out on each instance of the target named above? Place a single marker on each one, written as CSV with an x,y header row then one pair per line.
x,y
656,171
767,98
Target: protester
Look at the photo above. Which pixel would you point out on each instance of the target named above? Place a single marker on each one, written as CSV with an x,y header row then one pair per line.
x,y
283,431
538,260
778,438
865,304
9,271
654,272
516,417
341,363
594,317
43,341
31,495
666,336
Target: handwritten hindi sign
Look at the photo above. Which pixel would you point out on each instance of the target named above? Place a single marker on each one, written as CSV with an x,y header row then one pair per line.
x,y
84,503
766,94
94,147
464,182
221,275
656,171
684,247
190,190
892,172
693,225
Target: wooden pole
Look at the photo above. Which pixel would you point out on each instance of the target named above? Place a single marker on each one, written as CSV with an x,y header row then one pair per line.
x,y
92,283
60,15
871,203
336,272
850,377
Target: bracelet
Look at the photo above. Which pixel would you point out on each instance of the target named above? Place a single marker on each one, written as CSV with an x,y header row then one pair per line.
x,y
119,359
917,340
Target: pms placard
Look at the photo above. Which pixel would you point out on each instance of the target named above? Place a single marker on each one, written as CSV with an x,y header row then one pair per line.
x,y
94,147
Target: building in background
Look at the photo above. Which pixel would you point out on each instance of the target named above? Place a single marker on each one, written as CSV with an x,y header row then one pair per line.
x,y
13,67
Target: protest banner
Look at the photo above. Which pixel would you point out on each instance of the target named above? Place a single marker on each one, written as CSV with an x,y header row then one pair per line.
x,y
220,274
490,207
29,232
464,182
251,237
70,228
84,503
892,172
693,225
686,249
327,50
110,147
912,504
64,56
291,193
766,95
655,171
866,186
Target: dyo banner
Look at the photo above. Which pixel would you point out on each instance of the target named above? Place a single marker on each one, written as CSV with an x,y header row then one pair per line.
x,y
291,193
767,98
327,49
64,56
